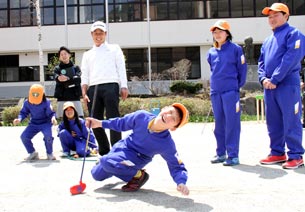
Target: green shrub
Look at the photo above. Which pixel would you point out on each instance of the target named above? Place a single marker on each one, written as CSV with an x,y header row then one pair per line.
x,y
199,108
185,87
9,114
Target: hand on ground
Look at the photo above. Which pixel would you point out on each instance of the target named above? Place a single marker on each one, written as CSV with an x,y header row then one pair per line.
x,y
183,189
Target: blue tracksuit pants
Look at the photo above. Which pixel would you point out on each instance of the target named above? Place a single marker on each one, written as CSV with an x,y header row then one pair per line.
x,y
111,163
68,142
31,130
283,116
226,109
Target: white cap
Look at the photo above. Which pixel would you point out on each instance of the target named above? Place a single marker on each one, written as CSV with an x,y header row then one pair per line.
x,y
98,25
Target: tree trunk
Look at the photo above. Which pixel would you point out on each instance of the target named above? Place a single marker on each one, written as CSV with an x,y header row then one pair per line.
x,y
38,16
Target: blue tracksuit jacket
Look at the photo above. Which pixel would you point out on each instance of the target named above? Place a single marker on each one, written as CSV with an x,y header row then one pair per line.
x,y
139,147
279,61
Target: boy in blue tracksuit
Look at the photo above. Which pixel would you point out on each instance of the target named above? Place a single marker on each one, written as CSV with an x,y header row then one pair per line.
x,y
150,136
42,118
73,133
228,75
278,69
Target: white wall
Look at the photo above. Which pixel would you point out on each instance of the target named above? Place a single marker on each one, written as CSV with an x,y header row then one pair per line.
x,y
134,34
24,40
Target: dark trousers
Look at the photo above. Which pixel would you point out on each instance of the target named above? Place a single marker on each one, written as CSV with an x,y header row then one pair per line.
x,y
107,100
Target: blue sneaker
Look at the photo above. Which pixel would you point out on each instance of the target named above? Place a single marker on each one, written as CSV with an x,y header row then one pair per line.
x,y
219,159
231,162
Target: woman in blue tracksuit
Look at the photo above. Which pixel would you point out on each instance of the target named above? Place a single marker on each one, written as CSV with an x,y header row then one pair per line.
x,y
279,72
73,133
228,75
39,108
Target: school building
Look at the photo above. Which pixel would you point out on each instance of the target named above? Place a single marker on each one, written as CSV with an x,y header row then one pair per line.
x,y
176,30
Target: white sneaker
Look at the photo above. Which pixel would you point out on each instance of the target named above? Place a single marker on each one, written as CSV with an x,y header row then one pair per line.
x,y
65,154
32,156
51,157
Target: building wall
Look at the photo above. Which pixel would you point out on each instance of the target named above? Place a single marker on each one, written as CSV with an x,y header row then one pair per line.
x,y
24,40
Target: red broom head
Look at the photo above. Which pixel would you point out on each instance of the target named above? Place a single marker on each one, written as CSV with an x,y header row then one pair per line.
x,y
78,189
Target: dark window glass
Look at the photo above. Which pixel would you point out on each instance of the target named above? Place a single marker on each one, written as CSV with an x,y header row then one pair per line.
x,y
85,14
97,1
9,68
46,3
173,11
193,54
69,2
48,16
134,63
236,8
84,1
158,11
60,15
29,73
60,3
164,59
97,13
26,17
14,4
72,15
259,7
248,10
111,13
185,10
298,7
3,4
3,18
217,8
24,4
15,18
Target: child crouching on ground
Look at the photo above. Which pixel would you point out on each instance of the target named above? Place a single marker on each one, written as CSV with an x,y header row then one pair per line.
x,y
73,133
39,108
150,137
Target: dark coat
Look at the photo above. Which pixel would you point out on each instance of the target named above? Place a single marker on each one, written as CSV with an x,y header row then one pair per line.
x,y
71,89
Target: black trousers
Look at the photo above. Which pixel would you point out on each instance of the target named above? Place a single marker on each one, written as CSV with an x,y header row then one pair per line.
x,y
106,103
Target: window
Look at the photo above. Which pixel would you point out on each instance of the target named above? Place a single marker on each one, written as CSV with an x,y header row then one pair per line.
x,y
48,16
9,68
15,13
161,60
3,18
217,8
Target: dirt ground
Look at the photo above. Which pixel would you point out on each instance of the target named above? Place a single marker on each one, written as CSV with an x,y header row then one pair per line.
x,y
44,185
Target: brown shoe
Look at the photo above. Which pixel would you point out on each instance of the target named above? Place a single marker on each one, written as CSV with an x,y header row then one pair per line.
x,y
136,183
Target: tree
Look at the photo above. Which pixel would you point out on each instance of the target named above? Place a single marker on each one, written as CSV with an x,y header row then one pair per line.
x,y
38,17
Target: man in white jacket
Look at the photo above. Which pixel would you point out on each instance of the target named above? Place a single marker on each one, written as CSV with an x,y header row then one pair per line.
x,y
104,66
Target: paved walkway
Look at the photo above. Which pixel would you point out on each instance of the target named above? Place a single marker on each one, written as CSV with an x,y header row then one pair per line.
x,y
44,185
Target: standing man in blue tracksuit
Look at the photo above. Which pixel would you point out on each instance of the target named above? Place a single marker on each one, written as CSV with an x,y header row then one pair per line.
x,y
278,70
228,75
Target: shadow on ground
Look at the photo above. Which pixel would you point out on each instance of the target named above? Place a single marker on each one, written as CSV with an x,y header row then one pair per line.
x,y
151,197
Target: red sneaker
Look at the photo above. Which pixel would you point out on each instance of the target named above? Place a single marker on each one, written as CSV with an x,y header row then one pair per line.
x,y
135,184
272,159
293,164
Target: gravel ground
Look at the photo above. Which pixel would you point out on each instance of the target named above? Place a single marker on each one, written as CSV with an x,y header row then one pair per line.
x,y
44,185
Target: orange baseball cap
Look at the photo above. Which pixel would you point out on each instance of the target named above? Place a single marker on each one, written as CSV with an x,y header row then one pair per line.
x,y
221,24
68,104
185,114
278,7
36,94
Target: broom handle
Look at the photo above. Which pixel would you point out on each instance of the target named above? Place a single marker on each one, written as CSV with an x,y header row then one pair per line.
x,y
88,136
